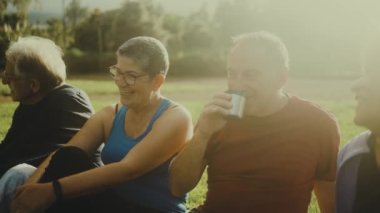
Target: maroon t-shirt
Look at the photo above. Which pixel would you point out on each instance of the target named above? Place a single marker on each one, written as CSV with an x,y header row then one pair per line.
x,y
270,164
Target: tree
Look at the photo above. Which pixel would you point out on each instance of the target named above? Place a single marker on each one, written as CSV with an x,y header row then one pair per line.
x,y
15,23
74,13
235,17
12,24
89,35
105,31
136,18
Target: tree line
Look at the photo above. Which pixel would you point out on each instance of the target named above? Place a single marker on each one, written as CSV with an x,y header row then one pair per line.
x,y
197,43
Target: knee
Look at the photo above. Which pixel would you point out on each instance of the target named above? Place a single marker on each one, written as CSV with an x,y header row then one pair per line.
x,y
19,173
67,155
67,161
66,151
13,178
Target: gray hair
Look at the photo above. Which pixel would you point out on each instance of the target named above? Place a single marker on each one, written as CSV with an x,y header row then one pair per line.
x,y
40,58
149,53
273,45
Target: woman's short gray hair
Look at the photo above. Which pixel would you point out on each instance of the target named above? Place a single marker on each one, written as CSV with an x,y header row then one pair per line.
x,y
37,57
273,45
149,53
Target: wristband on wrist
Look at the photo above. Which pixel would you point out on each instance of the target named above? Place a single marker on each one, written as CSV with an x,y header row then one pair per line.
x,y
57,191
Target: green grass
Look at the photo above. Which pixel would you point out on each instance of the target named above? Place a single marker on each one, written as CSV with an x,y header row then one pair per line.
x,y
6,112
193,94
344,113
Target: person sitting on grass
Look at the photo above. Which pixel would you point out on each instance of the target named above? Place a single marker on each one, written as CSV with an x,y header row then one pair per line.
x,y
358,178
271,158
49,112
142,135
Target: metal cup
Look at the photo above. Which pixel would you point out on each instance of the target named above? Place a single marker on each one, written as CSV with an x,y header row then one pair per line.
x,y
238,103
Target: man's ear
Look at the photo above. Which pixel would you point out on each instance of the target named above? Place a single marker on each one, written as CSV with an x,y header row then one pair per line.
x,y
158,81
35,85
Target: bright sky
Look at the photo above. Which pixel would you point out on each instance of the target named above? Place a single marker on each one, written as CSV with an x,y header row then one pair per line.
x,y
176,6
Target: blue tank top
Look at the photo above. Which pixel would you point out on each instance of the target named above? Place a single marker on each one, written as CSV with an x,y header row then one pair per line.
x,y
151,189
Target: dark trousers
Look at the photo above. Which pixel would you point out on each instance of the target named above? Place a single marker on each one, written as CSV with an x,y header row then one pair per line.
x,y
71,160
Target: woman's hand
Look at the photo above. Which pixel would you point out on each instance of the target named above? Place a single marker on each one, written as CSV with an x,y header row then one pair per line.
x,y
33,198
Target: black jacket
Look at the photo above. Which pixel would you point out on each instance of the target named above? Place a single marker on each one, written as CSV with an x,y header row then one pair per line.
x,y
39,129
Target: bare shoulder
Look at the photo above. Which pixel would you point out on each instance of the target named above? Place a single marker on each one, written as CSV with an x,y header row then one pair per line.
x,y
176,112
175,118
175,123
105,115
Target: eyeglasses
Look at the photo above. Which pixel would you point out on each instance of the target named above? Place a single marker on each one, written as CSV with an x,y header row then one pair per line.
x,y
124,79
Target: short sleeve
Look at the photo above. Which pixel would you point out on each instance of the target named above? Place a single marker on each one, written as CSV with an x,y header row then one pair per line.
x,y
68,110
328,139
213,144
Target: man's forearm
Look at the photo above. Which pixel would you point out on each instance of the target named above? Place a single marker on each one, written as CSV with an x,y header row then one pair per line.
x,y
325,193
187,168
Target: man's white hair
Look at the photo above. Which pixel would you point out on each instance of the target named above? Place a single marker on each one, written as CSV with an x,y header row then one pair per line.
x,y
272,44
34,55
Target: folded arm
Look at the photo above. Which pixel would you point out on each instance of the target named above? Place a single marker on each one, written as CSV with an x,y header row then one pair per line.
x,y
168,135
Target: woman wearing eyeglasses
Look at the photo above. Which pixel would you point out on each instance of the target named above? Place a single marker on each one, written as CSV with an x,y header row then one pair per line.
x,y
141,134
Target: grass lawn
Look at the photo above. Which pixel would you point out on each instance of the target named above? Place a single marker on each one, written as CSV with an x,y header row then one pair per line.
x,y
333,95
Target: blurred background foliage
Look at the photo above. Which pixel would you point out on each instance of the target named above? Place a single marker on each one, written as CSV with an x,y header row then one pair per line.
x,y
324,37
